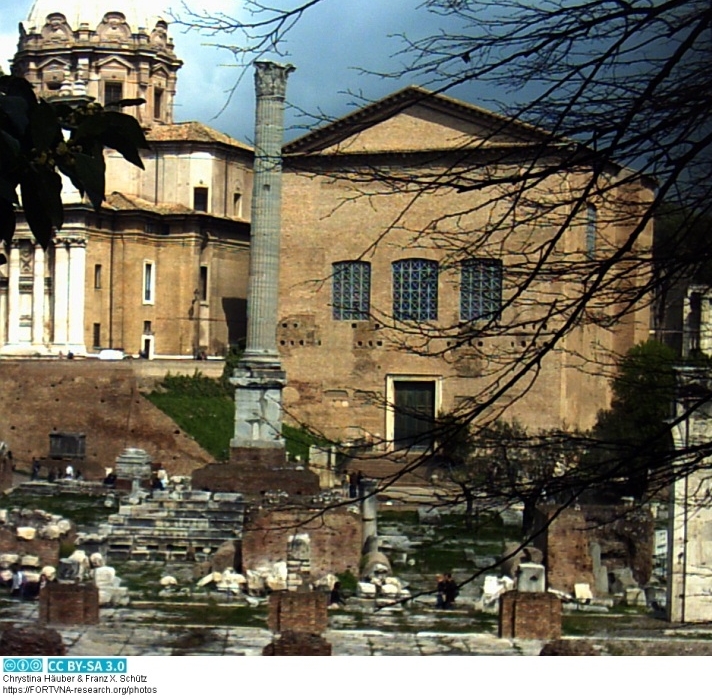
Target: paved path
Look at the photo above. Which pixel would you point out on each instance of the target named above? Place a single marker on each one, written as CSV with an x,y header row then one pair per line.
x,y
140,632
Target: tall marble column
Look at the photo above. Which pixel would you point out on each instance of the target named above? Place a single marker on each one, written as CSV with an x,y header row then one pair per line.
x,y
77,273
38,297
13,293
61,294
259,378
263,292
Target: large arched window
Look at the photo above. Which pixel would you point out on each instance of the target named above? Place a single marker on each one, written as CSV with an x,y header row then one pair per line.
x,y
351,290
415,289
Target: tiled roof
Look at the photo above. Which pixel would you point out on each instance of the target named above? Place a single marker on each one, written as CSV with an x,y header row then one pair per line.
x,y
125,202
192,131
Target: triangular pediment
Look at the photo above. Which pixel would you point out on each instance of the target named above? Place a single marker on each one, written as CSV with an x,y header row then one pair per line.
x,y
415,120
54,63
160,70
116,62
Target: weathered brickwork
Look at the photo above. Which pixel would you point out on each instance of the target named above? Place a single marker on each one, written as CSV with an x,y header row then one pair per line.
x,y
69,604
625,536
335,539
300,612
253,476
566,546
533,615
342,372
97,398
47,550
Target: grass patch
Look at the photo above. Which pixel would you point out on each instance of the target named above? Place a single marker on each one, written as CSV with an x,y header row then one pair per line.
x,y
204,408
201,407
211,614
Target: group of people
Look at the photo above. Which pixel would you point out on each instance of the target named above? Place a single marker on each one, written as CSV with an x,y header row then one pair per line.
x,y
446,592
55,473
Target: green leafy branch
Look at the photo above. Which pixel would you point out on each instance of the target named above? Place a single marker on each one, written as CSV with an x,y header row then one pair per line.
x,y
39,140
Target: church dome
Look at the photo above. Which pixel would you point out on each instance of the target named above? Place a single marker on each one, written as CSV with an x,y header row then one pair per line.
x,y
138,13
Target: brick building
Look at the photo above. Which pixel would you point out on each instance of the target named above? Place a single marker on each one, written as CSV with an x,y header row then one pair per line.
x,y
396,247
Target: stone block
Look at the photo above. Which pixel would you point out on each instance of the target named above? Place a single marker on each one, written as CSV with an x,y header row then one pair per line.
x,y
531,577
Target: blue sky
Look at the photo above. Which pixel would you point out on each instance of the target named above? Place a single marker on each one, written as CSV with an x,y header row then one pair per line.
x,y
331,47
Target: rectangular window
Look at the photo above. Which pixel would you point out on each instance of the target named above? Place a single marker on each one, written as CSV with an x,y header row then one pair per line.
x,y
146,327
415,289
203,289
96,335
113,92
97,276
149,281
480,289
200,198
237,205
591,225
351,290
157,103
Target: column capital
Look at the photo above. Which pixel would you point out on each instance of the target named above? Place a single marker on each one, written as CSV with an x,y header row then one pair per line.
x,y
76,242
271,79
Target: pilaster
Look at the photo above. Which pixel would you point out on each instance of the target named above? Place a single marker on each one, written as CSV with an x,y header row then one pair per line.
x,y
38,297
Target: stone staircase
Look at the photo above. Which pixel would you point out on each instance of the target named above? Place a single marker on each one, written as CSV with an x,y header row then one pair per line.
x,y
180,525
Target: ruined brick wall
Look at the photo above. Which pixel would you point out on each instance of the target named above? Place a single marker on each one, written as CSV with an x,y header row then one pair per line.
x,y
47,550
69,604
253,477
100,399
335,539
566,546
300,612
529,615
624,533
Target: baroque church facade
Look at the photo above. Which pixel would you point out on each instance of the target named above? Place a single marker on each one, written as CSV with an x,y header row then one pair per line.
x,y
383,276
162,269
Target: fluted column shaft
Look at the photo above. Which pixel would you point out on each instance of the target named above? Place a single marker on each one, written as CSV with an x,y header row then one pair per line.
x,y
262,299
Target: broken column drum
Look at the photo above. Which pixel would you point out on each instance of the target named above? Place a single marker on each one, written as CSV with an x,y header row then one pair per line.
x,y
259,378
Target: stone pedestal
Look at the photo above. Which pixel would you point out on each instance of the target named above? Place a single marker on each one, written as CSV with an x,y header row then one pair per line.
x,y
258,408
133,465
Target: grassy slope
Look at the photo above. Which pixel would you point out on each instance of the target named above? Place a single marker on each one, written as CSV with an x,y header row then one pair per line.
x,y
205,410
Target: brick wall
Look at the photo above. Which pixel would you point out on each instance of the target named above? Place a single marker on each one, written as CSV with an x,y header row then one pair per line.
x,y
47,550
529,615
69,604
335,539
100,399
566,546
625,535
253,477
300,612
